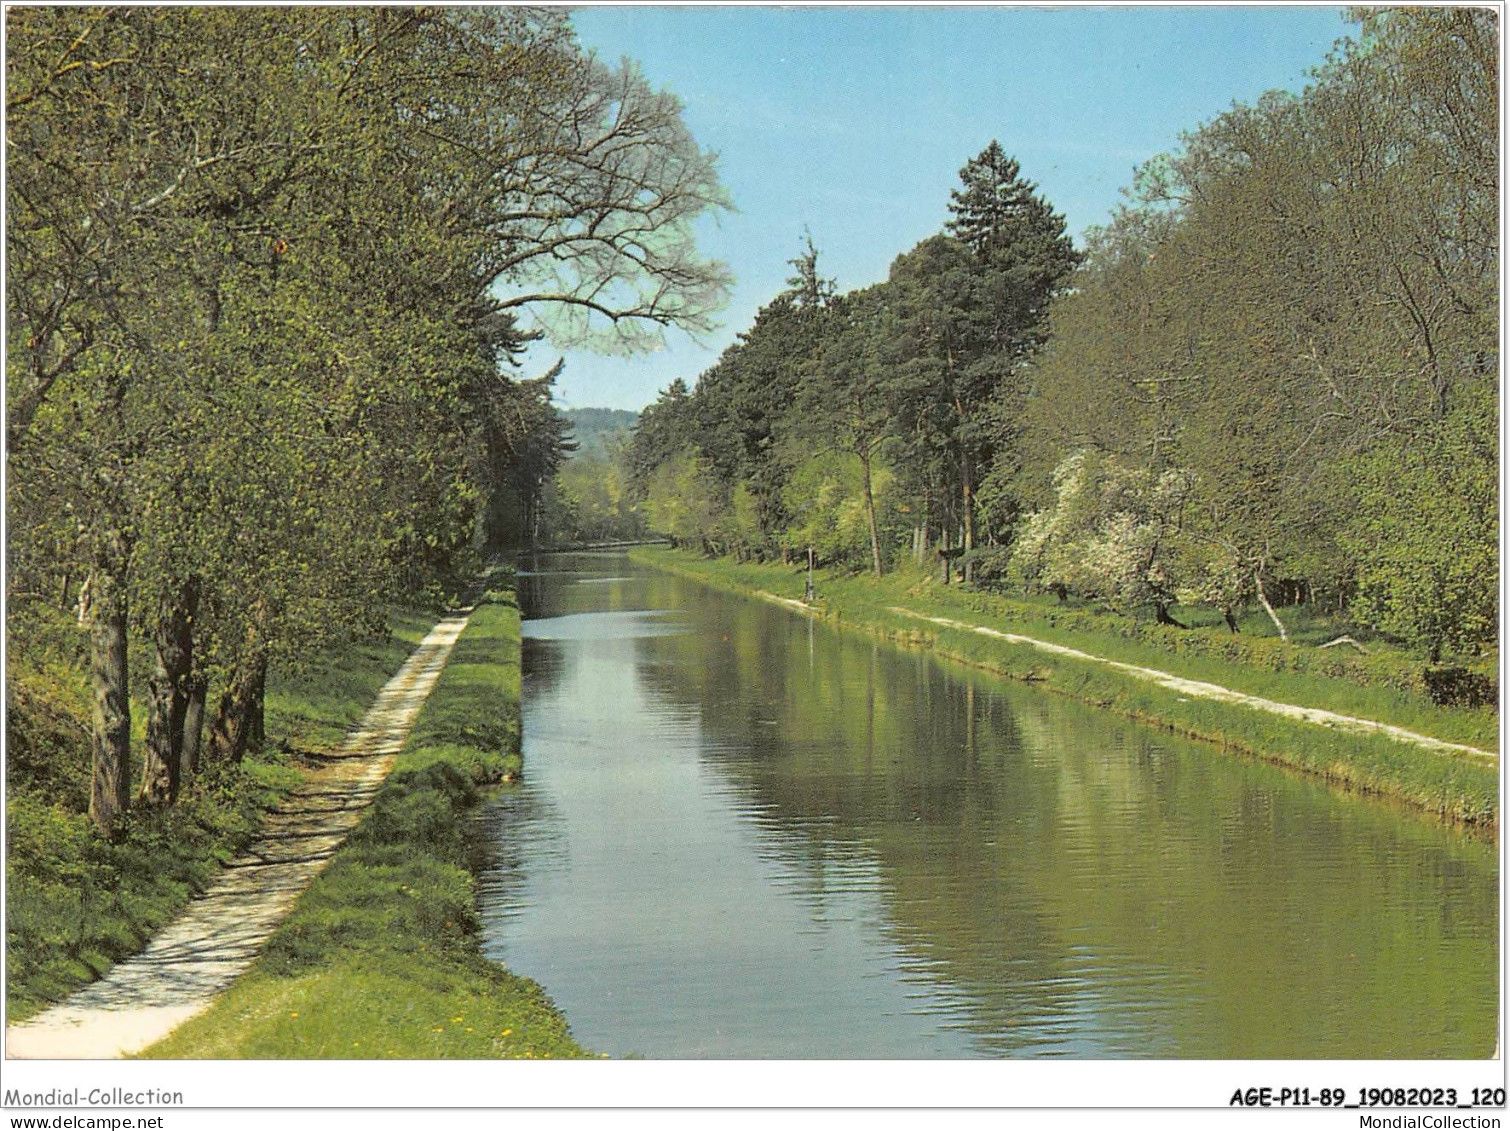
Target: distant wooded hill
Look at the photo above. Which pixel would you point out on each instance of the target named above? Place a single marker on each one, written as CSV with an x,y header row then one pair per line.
x,y
586,500
599,430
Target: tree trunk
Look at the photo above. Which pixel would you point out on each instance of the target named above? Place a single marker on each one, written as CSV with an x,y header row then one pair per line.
x,y
165,708
968,494
870,515
1263,600
256,722
111,710
167,695
1162,615
228,733
193,729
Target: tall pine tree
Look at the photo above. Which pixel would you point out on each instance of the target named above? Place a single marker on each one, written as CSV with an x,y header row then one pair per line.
x,y
977,301
1018,239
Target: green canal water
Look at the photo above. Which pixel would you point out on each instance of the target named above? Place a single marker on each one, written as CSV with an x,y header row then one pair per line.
x,y
743,834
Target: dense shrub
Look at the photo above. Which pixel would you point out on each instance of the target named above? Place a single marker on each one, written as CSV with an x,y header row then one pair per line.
x,y
1461,687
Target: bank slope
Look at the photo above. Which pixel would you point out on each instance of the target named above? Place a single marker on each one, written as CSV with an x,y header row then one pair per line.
x,y
381,957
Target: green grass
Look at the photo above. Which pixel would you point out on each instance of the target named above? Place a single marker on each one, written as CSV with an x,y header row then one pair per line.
x,y
1459,788
1290,673
381,957
315,705
76,903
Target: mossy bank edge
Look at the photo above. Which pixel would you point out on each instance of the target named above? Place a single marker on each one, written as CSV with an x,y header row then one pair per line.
x,y
1459,788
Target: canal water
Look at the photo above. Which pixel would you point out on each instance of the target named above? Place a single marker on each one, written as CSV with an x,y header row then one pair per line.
x,y
743,834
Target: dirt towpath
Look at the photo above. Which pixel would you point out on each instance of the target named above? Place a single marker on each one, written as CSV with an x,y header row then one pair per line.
x,y
220,934
1199,690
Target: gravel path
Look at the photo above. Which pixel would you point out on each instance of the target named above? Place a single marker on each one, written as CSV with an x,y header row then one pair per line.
x,y
220,934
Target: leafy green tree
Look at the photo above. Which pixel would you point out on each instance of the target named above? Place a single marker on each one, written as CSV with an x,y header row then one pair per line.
x,y
744,402
524,441
1426,533
1119,372
229,218
664,429
1016,235
741,410
825,495
677,503
119,242
851,395
591,490
590,500
1305,285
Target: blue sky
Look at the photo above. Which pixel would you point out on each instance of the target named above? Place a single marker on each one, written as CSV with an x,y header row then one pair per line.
x,y
854,123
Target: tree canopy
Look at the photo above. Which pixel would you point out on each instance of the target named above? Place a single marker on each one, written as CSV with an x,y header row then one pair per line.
x,y
272,277
1270,377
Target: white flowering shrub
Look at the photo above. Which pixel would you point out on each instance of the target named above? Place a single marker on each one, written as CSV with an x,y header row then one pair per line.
x,y
1110,535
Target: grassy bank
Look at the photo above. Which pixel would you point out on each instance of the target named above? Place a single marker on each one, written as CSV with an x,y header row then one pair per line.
x,y
76,903
381,957
1459,788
